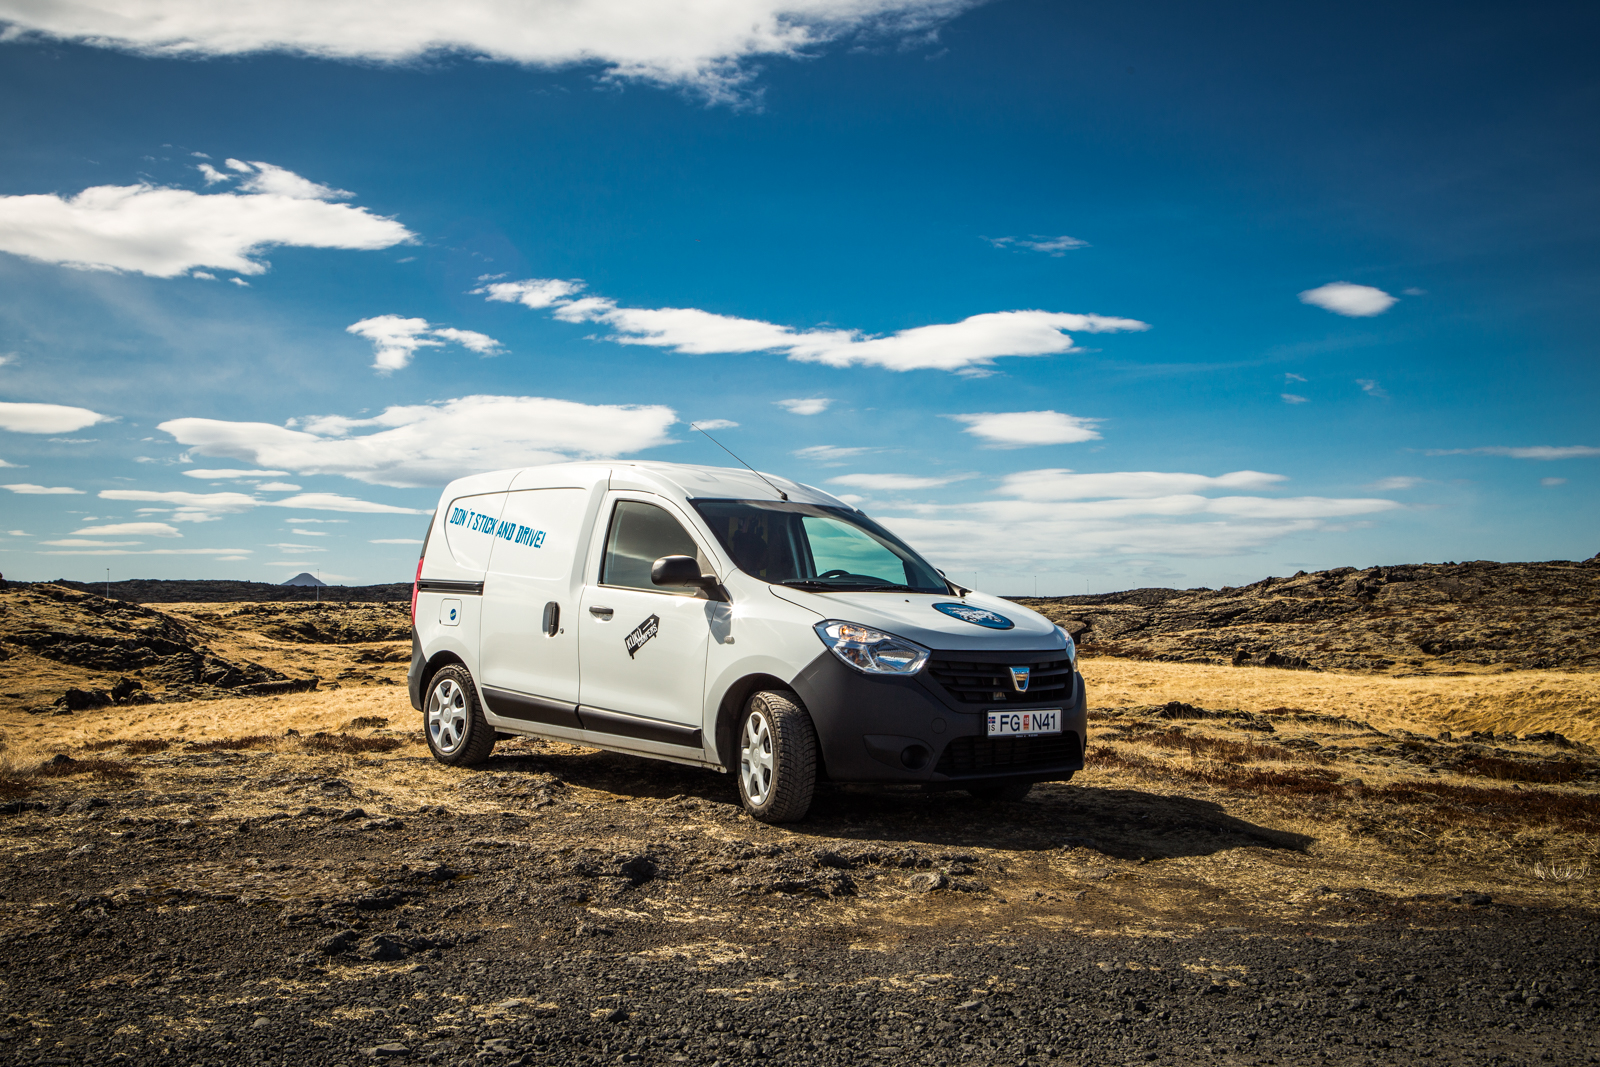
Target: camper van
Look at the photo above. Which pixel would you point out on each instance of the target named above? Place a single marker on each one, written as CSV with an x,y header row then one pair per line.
x,y
731,620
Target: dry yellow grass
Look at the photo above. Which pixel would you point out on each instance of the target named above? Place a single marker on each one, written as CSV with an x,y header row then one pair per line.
x,y
1518,701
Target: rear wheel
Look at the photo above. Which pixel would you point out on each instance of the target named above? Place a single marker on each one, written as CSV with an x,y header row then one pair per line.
x,y
1004,791
458,734
777,758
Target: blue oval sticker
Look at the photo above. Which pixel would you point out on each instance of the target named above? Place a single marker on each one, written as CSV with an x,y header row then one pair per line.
x,y
977,616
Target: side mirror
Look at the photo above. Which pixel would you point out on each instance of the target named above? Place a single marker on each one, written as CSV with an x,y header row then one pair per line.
x,y
681,571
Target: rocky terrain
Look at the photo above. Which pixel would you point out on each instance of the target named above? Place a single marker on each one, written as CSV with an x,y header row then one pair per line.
x,y
1412,619
208,874
197,591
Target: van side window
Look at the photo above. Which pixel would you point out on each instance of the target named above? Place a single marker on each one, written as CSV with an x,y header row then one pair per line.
x,y
641,534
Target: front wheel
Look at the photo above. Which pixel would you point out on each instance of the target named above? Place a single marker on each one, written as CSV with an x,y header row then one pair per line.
x,y
777,758
458,734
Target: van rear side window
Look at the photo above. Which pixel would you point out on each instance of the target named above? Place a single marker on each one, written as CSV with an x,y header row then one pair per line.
x,y
470,527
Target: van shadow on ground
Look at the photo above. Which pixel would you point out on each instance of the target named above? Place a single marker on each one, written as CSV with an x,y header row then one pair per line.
x,y
1121,823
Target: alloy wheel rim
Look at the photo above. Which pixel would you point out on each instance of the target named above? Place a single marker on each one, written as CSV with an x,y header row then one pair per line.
x,y
756,764
447,716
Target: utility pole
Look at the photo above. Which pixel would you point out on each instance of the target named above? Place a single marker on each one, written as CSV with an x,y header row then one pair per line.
x,y
108,583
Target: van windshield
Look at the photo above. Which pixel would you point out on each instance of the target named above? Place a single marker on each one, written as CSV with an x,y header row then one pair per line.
x,y
816,547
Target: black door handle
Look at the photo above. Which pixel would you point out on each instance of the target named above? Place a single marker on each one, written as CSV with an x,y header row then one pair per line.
x,y
601,613
552,619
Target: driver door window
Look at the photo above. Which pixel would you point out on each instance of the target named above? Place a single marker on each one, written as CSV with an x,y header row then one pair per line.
x,y
641,534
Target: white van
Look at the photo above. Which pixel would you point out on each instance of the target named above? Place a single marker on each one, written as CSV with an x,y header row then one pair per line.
x,y
713,617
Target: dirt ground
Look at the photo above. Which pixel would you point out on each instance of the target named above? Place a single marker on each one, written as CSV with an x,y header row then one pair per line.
x,y
1259,866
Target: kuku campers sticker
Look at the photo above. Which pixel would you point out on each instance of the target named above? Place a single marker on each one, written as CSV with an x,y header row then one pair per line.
x,y
642,634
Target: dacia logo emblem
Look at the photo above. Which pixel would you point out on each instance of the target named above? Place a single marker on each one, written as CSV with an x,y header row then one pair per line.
x,y
1019,678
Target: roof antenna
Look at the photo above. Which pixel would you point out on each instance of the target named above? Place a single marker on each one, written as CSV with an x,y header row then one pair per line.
x,y
781,494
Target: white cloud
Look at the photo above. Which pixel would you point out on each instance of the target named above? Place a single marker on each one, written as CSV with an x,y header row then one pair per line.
x,y
967,346
29,489
1552,481
891,482
1062,484
309,533
813,405
1020,429
335,502
705,46
1054,246
277,487
212,175
1533,452
298,548
1372,388
303,522
713,424
188,505
396,541
167,232
396,339
217,475
1018,533
132,529
429,444
47,418
1060,515
275,181
83,542
471,340
534,292
1292,398
1292,377
829,454
19,533
225,552
240,282
1399,481
1343,298
17,466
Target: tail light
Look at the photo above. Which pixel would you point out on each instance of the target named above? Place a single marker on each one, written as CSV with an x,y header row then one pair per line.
x,y
414,584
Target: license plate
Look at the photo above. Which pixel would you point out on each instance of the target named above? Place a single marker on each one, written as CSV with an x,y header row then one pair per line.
x,y
1024,723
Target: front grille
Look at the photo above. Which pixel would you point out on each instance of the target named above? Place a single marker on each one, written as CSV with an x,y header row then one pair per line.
x,y
988,681
1008,755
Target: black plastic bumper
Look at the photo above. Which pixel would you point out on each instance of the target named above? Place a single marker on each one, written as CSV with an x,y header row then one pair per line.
x,y
883,729
414,675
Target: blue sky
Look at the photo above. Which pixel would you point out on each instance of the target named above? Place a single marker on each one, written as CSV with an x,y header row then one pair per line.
x,y
1112,298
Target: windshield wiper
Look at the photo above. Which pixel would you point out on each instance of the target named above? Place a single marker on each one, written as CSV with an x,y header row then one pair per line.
x,y
841,587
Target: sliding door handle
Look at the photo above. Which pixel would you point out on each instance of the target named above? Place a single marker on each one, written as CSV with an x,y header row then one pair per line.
x,y
552,619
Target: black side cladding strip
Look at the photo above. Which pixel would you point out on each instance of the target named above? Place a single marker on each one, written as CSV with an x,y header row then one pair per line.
x,y
438,585
532,709
611,722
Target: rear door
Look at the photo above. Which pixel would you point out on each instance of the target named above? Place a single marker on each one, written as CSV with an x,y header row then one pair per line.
x,y
643,648
530,643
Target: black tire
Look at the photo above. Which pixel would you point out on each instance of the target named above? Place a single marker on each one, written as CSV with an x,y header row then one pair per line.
x,y
1005,791
452,719
776,748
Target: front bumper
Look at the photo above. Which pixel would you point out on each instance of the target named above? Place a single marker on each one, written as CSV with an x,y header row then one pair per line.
x,y
883,729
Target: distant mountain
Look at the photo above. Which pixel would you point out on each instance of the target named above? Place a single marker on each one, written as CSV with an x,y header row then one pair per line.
x,y
305,579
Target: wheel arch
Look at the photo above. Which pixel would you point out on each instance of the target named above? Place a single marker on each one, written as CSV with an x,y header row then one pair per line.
x,y
439,661
732,705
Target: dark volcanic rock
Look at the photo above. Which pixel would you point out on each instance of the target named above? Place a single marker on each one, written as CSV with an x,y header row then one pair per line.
x,y
1416,618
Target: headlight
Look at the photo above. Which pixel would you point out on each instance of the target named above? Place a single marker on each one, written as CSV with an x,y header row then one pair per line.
x,y
1072,647
871,651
